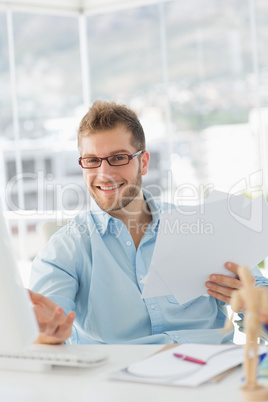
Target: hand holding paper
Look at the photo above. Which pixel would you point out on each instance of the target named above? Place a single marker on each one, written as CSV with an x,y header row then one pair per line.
x,y
196,242
221,286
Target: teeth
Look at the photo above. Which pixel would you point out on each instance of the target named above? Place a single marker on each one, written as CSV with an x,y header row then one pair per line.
x,y
109,188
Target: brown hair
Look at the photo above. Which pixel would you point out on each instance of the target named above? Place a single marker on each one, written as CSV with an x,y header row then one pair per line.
x,y
108,115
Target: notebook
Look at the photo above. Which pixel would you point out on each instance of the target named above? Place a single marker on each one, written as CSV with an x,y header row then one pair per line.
x,y
19,327
187,370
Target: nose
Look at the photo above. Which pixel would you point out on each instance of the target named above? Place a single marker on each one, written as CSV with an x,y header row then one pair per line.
x,y
105,171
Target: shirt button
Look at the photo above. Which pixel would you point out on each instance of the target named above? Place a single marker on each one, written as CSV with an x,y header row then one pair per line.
x,y
141,276
128,243
153,307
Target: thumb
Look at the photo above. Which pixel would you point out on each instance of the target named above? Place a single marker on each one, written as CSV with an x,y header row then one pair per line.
x,y
30,293
35,297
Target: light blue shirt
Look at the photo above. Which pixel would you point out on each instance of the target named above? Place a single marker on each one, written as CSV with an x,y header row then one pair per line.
x,y
91,266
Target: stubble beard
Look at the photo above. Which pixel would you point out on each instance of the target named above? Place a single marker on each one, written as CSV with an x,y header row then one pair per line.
x,y
121,201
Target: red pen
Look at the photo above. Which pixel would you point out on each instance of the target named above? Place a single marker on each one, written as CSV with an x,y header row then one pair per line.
x,y
189,358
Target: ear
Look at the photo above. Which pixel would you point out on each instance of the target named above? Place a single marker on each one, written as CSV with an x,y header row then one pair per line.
x,y
145,157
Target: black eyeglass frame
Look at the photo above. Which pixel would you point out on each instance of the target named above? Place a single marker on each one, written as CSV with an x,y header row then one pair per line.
x,y
130,157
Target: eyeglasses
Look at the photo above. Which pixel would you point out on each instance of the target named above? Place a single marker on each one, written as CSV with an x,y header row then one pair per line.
x,y
93,162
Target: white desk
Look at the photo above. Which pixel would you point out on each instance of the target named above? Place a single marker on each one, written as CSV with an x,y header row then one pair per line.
x,y
84,385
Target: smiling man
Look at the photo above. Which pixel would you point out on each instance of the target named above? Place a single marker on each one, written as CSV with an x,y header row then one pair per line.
x,y
87,281
112,188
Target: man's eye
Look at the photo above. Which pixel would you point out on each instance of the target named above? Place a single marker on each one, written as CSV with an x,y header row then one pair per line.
x,y
118,157
91,160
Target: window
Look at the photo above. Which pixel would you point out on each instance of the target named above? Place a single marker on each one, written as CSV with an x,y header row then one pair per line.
x,y
5,93
195,72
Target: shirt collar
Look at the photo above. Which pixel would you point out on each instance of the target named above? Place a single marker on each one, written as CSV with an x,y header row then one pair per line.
x,y
154,207
102,219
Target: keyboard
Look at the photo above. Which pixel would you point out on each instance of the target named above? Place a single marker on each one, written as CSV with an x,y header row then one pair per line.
x,y
39,360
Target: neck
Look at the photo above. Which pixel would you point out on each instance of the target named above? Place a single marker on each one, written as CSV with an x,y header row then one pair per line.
x,y
135,213
136,217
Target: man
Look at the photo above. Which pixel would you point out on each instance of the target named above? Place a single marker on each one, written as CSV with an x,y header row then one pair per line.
x,y
95,265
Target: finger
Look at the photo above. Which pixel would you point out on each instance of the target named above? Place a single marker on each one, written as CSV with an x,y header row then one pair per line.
x,y
219,296
226,281
56,320
69,319
42,301
38,298
34,296
231,266
71,316
48,340
63,321
64,331
224,290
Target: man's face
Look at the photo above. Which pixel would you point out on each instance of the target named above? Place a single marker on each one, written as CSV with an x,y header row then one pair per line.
x,y
113,187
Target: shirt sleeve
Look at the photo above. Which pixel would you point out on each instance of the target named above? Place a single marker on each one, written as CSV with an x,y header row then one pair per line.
x,y
54,271
260,279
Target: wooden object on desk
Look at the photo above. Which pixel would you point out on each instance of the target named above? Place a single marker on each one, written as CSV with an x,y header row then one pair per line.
x,y
255,303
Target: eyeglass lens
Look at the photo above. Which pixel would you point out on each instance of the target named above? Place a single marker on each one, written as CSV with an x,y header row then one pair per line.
x,y
114,160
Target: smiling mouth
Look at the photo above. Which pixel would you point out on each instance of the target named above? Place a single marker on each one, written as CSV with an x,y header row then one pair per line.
x,y
106,188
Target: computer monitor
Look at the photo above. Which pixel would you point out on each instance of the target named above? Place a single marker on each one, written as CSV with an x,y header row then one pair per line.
x,y
18,323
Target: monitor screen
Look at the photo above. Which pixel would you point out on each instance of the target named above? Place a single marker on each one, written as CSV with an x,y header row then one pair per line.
x,y
18,323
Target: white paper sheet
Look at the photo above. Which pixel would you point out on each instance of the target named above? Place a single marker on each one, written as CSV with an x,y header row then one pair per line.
x,y
195,242
164,368
164,364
